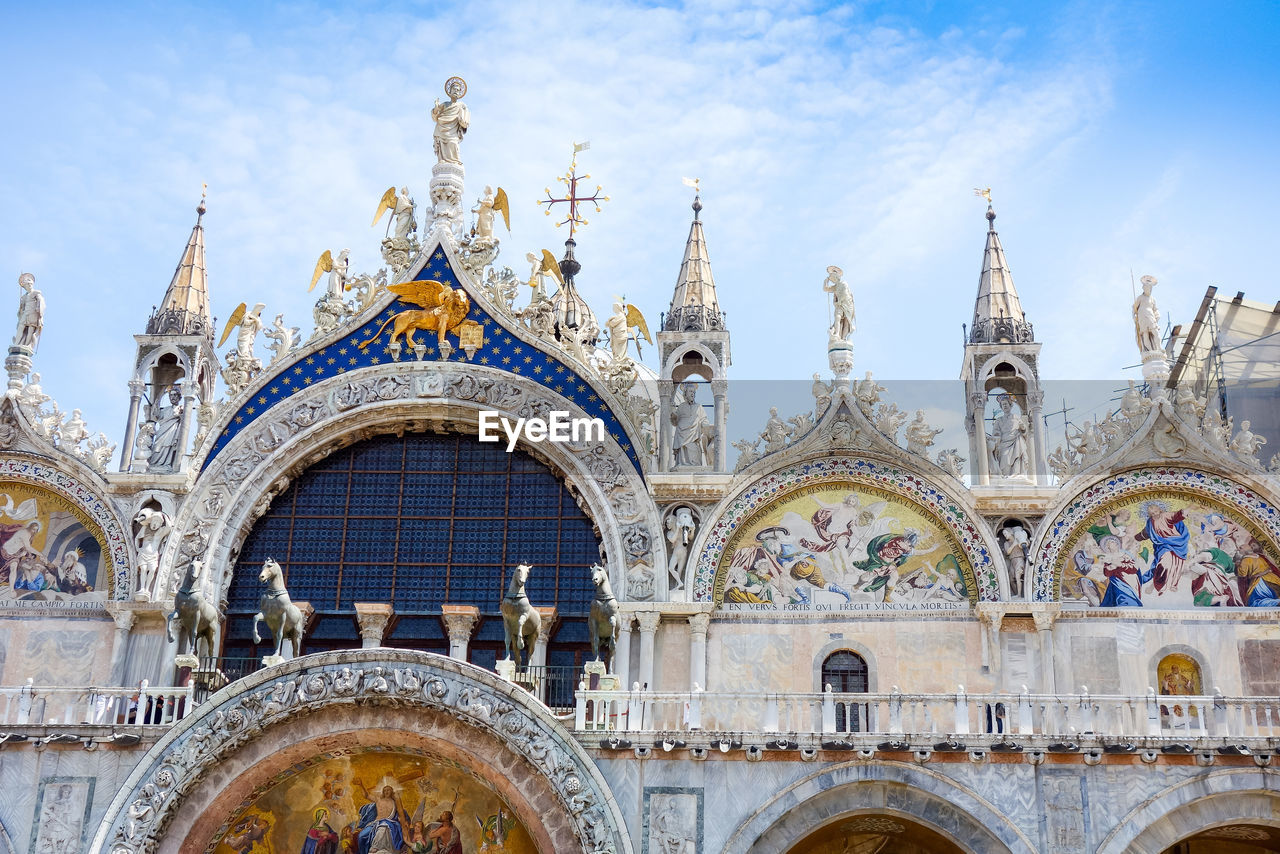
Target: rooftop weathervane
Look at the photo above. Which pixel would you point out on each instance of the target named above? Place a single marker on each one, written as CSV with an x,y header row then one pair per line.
x,y
571,180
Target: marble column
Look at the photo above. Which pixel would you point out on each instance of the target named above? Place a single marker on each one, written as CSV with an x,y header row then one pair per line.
x,y
131,426
720,394
698,624
622,655
124,618
1044,619
978,439
546,628
666,388
184,429
459,621
373,619
648,621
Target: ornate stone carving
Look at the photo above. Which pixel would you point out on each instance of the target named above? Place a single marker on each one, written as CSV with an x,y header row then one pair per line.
x,y
176,765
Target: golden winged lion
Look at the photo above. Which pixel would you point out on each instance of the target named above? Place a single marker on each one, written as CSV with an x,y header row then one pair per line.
x,y
443,310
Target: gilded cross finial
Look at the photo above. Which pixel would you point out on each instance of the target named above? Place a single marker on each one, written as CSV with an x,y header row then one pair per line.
x,y
571,197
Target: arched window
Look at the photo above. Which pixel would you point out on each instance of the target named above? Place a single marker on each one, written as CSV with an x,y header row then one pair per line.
x,y
846,673
1179,676
418,521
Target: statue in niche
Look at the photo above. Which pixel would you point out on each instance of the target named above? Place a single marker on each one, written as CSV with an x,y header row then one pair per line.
x,y
30,314
166,415
1146,318
842,325
154,526
1010,455
691,441
1014,542
681,528
452,120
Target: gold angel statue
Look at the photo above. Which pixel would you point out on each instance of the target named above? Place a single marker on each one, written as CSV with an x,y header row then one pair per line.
x,y
625,317
401,207
249,323
443,310
337,270
543,266
485,209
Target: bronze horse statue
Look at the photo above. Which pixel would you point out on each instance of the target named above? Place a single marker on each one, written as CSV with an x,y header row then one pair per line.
x,y
603,621
197,617
520,619
282,617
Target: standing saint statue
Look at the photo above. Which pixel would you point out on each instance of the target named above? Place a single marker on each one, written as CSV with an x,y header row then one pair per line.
x,y
30,313
842,325
1010,451
167,417
692,434
452,120
1146,318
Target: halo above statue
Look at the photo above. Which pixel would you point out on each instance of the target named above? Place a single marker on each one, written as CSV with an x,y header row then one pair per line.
x,y
455,83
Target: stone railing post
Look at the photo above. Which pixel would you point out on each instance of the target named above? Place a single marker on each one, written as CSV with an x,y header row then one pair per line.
x,y
459,621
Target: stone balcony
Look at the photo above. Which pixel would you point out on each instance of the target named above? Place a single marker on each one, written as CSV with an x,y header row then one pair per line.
x,y
752,723
91,716
926,724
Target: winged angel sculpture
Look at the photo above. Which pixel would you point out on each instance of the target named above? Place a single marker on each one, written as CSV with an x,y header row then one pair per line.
x,y
443,310
242,365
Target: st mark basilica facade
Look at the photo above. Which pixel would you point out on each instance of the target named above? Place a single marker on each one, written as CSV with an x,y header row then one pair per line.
x,y
298,604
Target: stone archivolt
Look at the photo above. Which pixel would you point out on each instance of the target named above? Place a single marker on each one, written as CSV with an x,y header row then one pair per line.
x,y
236,488
254,708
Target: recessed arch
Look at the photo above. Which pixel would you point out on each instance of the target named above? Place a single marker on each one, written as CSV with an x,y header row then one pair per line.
x,y
1207,801
838,792
229,494
189,782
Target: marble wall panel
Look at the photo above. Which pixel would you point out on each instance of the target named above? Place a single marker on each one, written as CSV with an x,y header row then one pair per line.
x,y
1094,663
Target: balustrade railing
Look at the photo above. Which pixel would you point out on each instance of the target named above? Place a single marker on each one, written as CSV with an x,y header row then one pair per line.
x,y
898,716
143,705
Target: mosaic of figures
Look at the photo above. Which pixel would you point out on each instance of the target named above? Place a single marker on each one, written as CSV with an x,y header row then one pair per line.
x,y
49,550
840,546
1169,550
376,802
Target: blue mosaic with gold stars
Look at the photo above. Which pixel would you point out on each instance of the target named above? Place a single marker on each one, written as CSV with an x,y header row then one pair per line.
x,y
501,350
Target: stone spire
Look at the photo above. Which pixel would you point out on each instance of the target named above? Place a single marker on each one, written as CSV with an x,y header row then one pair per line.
x,y
997,313
694,307
185,308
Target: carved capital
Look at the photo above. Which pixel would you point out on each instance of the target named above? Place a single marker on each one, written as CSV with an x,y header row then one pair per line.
x,y
698,624
719,388
136,387
373,618
1044,617
547,626
648,621
991,613
123,615
460,621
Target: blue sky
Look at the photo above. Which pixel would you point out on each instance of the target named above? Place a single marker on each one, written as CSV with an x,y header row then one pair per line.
x,y
1115,137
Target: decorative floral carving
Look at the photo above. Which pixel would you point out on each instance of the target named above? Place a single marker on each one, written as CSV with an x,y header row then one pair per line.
x,y
137,826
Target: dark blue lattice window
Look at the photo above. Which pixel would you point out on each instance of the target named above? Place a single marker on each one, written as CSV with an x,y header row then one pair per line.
x,y
418,521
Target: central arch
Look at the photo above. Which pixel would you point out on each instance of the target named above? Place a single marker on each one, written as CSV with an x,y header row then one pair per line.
x,y
240,742
259,463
